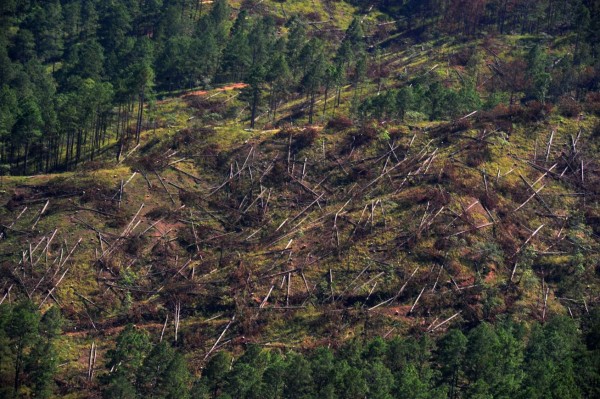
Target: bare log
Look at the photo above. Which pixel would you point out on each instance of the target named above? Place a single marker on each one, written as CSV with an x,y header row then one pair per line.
x,y
7,293
471,229
165,187
416,300
545,303
530,198
196,178
264,301
162,333
549,145
91,362
177,316
445,321
40,214
529,239
14,221
405,284
220,337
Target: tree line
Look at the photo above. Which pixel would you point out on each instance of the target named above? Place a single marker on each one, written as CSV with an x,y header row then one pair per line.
x,y
558,359
508,359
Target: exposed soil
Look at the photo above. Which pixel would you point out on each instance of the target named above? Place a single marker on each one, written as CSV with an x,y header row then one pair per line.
x,y
233,86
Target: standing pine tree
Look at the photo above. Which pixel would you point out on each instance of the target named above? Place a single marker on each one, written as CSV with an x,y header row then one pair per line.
x,y
539,78
123,362
22,330
253,92
451,358
279,77
42,362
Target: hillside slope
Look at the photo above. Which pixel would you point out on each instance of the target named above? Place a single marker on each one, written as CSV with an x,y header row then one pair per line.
x,y
333,218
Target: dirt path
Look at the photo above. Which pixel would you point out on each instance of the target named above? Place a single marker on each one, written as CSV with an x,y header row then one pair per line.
x,y
220,89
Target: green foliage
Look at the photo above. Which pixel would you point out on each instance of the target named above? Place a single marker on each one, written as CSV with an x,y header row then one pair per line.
x,y
411,385
536,68
154,369
490,361
452,351
8,111
48,48
298,378
434,99
550,361
128,355
174,383
28,352
404,101
138,369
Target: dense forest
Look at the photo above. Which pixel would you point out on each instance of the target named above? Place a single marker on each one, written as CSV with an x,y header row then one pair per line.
x,y
75,74
508,360
299,199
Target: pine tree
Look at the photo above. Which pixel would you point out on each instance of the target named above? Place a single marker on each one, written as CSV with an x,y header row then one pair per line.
x,y
153,369
324,371
256,80
42,362
8,115
451,358
216,372
278,76
352,382
539,78
237,55
128,355
22,330
295,45
549,361
174,383
404,101
410,385
379,380
28,127
298,378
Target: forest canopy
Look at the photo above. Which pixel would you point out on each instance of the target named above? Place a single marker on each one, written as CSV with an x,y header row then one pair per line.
x,y
75,74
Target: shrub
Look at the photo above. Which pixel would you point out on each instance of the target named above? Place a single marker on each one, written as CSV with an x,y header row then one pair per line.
x,y
159,212
206,106
149,145
135,245
339,123
446,129
152,161
188,136
304,138
415,116
189,198
398,132
278,174
364,135
596,130
592,103
478,154
313,16
534,111
462,56
569,107
301,138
